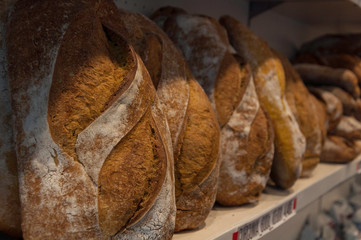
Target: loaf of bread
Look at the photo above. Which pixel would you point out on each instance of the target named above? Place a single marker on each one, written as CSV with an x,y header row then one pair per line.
x,y
336,60
339,150
9,190
334,44
333,107
192,122
94,149
351,106
246,132
306,113
348,128
317,75
269,79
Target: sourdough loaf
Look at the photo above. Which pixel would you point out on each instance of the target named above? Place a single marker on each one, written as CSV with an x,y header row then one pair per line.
x,y
95,155
192,122
270,86
334,44
246,157
306,113
348,128
9,190
351,106
317,75
339,150
333,107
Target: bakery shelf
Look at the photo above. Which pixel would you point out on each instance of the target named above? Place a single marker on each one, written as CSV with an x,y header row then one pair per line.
x,y
274,208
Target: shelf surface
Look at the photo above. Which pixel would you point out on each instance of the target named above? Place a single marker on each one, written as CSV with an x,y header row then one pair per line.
x,y
274,207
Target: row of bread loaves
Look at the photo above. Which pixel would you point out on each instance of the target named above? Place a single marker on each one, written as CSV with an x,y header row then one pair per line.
x,y
115,126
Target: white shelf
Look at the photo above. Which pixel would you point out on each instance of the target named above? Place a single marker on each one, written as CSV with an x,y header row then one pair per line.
x,y
223,223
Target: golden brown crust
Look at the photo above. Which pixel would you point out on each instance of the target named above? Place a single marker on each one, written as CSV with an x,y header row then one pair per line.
x,y
199,152
298,97
136,177
270,84
196,170
81,92
229,87
170,74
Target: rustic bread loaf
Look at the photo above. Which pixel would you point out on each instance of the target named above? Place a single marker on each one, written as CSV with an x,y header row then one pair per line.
x,y
193,124
334,60
339,150
317,75
270,85
9,190
348,128
351,106
333,107
95,156
334,44
246,157
306,113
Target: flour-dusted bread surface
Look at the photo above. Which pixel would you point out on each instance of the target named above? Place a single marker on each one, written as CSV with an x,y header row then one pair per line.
x,y
351,106
303,107
227,80
95,153
348,128
338,150
9,189
247,152
333,107
193,124
269,79
317,75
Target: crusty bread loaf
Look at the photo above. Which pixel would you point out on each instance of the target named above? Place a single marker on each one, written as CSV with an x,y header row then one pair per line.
x,y
334,44
351,106
9,190
317,75
192,122
333,107
95,156
339,150
336,60
245,156
348,128
270,85
306,113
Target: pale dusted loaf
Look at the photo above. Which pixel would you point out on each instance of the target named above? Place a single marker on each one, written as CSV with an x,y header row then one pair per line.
x,y
333,107
94,150
270,83
317,75
9,190
339,150
306,113
246,157
192,122
351,106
